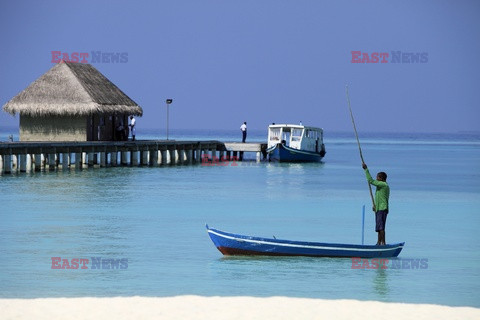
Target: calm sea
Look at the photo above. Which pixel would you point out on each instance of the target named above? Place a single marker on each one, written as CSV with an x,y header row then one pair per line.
x,y
155,218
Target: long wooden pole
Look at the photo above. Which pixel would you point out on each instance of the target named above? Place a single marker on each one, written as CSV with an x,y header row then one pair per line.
x,y
363,224
358,142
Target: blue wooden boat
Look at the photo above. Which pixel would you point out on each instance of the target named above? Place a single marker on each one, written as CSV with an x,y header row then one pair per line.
x,y
234,244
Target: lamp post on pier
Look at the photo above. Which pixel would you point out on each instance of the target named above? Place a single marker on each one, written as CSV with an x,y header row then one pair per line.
x,y
168,101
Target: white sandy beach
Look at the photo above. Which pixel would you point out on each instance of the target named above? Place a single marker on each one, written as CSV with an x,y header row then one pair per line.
x,y
196,307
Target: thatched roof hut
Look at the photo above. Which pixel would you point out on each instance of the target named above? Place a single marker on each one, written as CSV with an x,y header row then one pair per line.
x,y
73,92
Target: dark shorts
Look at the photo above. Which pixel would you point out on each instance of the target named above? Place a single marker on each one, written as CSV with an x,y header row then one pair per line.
x,y
380,220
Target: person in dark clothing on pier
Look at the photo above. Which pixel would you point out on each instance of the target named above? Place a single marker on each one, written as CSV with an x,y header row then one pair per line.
x,y
120,132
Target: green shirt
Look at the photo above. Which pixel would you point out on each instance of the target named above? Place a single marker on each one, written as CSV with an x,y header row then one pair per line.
x,y
382,194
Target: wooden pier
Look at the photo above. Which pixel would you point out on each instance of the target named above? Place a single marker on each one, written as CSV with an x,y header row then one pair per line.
x,y
38,156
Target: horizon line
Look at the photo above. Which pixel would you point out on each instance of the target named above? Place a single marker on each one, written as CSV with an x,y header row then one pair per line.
x,y
5,128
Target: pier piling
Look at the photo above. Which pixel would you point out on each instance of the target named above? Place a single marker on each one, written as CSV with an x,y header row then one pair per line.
x,y
23,163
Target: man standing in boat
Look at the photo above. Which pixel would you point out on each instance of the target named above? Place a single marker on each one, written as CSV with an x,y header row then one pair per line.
x,y
381,202
243,128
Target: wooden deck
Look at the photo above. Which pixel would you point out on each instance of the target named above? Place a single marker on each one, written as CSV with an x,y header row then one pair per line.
x,y
238,148
245,147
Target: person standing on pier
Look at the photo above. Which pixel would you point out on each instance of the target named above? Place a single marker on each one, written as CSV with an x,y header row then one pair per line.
x,y
243,128
132,127
120,131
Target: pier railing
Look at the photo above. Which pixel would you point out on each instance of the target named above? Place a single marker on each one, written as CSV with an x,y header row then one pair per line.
x,y
37,156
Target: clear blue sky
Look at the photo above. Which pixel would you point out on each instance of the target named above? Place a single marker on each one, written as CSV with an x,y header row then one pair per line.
x,y
224,62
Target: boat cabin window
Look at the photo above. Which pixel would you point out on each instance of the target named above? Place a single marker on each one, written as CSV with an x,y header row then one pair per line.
x,y
275,134
296,134
313,134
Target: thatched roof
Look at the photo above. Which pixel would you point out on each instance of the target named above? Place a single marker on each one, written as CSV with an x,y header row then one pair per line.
x,y
71,89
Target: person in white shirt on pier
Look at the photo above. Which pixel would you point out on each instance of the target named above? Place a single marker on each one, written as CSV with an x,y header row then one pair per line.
x,y
243,128
132,127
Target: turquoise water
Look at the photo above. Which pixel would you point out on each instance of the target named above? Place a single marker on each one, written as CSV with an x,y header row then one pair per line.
x,y
155,218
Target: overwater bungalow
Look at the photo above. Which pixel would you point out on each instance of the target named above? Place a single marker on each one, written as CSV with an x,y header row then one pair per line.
x,y
72,102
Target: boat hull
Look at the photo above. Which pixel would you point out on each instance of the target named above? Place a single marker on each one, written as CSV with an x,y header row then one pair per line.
x,y
233,244
282,153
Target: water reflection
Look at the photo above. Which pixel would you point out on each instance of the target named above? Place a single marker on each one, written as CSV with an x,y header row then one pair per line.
x,y
289,276
76,186
290,176
380,283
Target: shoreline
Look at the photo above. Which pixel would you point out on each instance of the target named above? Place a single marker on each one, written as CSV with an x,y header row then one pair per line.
x,y
244,307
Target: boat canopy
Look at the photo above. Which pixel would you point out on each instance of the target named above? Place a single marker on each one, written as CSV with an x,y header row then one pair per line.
x,y
295,136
